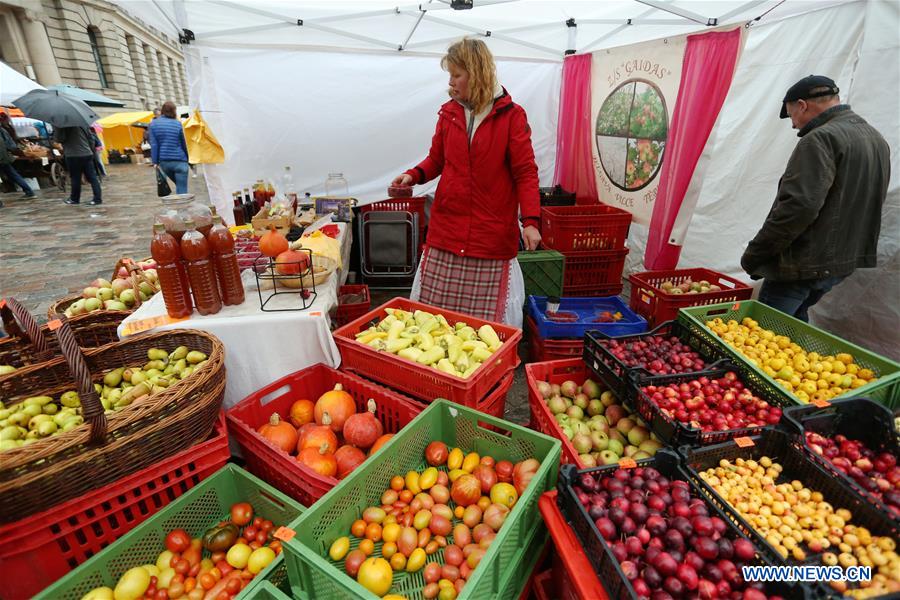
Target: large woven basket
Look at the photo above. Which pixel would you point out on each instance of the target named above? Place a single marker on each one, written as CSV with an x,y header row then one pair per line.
x,y
58,308
28,343
36,476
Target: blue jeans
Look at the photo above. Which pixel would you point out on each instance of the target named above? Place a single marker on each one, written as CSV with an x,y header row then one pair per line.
x,y
796,297
177,171
83,165
11,174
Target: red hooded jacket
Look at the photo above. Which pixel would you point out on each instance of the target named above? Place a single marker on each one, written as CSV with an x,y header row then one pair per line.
x,y
485,185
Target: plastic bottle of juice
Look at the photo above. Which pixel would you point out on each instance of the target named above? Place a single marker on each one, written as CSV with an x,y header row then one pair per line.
x,y
225,262
173,278
201,273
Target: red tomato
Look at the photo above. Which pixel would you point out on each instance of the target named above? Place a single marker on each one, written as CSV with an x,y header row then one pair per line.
x,y
162,594
249,532
257,521
223,595
178,540
267,526
233,586
224,568
262,537
241,513
207,581
182,567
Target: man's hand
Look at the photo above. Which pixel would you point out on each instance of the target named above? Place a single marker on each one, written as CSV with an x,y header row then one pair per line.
x,y
532,237
405,179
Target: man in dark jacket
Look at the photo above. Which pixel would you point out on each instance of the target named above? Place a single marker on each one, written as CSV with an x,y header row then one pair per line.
x,y
78,149
7,147
826,218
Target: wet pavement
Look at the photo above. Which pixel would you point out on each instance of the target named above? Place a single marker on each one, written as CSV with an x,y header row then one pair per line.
x,y
49,249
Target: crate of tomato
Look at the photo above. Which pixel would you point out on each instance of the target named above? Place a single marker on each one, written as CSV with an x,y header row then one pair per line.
x,y
305,431
428,352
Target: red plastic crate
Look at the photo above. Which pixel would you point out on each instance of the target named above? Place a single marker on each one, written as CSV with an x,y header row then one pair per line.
x,y
41,548
421,382
344,313
572,572
584,228
543,350
412,205
277,467
542,419
543,587
594,273
649,301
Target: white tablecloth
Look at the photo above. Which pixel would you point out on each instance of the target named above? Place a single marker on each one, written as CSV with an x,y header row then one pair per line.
x,y
261,347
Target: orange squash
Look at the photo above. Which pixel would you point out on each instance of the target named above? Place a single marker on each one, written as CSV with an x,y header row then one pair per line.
x,y
314,436
272,243
363,429
319,460
281,433
302,412
379,443
338,404
348,458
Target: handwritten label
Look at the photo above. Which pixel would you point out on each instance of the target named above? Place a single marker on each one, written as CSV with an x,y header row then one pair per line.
x,y
744,442
141,325
627,463
54,324
285,534
736,306
316,313
819,402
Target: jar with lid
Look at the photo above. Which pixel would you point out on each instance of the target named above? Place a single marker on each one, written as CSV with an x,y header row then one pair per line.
x,y
178,208
336,186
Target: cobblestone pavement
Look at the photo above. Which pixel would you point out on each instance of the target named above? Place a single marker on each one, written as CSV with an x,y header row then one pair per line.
x,y
49,249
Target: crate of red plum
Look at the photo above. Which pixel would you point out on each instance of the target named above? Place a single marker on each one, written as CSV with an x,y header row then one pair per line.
x,y
648,532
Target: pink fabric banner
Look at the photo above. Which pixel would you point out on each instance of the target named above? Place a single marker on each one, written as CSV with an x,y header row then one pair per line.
x,y
707,71
574,166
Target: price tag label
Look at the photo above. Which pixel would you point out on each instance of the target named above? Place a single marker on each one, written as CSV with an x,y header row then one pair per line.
x,y
736,306
2,302
54,324
142,325
316,313
645,298
819,402
45,161
56,152
285,533
744,442
627,463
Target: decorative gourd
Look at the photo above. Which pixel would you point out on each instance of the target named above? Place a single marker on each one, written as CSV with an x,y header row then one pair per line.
x,y
314,436
348,458
319,460
363,429
338,404
281,433
272,243
302,412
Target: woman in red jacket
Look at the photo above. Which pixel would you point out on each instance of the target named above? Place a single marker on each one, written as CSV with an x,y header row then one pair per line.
x,y
489,183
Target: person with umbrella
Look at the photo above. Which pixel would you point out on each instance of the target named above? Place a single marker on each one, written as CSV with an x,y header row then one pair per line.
x,y
71,119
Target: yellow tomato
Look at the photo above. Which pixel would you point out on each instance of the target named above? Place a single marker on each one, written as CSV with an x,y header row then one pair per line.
x,y
263,556
100,593
375,574
505,494
238,555
132,585
339,548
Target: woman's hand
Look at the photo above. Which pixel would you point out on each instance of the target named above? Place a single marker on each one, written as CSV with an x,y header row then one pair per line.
x,y
405,179
532,237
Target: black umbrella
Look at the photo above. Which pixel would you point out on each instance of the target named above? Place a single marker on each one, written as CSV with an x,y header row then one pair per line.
x,y
57,108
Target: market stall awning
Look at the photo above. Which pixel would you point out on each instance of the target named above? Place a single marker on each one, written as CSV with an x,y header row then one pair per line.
x,y
125,118
89,98
14,85
121,131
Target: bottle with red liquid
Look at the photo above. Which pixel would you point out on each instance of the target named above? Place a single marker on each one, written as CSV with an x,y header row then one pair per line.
x,y
173,280
225,261
201,273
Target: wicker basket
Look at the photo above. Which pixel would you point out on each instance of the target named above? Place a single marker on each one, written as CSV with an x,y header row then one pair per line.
x,y
29,343
58,308
39,475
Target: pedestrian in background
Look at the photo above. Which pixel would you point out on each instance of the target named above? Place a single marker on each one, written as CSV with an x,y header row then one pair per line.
x,y
78,149
96,130
168,148
7,147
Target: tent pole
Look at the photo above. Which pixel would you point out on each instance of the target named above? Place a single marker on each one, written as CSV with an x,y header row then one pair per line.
x,y
412,31
687,14
487,33
254,28
163,13
615,31
742,8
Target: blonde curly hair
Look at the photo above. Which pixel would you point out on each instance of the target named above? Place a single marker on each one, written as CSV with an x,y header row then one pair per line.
x,y
474,57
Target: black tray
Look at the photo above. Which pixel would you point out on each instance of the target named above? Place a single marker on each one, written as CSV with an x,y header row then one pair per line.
x,y
616,375
676,434
556,196
783,447
600,554
857,419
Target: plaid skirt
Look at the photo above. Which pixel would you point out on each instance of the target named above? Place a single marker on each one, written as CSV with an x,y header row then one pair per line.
x,y
472,286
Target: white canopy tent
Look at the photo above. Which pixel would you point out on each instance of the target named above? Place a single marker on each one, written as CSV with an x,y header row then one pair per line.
x,y
355,87
14,85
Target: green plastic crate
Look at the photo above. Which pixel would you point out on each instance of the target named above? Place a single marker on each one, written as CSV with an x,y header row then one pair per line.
x,y
543,272
266,591
500,574
885,391
199,509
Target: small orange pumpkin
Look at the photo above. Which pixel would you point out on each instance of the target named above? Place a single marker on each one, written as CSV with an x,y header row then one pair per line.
x,y
281,433
272,243
314,436
338,404
379,443
302,412
348,458
319,460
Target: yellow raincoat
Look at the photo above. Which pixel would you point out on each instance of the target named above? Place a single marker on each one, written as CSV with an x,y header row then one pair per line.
x,y
202,145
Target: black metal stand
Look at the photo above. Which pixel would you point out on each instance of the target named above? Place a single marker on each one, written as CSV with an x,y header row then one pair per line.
x,y
296,272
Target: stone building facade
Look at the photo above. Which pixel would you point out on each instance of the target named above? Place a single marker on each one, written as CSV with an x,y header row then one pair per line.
x,y
94,45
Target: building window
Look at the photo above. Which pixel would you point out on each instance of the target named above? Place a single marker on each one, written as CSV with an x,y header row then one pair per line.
x,y
98,60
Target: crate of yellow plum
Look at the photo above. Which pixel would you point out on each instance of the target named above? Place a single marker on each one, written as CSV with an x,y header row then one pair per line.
x,y
796,360
799,514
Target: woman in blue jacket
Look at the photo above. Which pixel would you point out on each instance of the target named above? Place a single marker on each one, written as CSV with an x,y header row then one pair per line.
x,y
168,150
